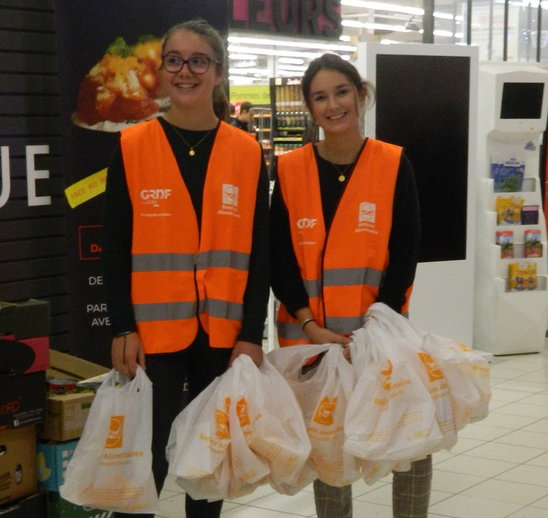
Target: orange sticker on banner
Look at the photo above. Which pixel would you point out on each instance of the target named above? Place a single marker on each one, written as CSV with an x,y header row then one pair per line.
x,y
325,411
115,432
86,189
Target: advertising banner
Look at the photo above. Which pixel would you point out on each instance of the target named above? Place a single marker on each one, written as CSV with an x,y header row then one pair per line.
x,y
106,47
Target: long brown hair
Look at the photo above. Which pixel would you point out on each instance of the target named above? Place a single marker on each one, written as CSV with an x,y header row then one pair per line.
x,y
217,43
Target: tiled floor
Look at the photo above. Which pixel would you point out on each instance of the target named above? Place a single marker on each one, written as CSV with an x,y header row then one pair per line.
x,y
498,468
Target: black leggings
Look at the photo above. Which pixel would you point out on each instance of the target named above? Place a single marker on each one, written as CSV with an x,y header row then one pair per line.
x,y
199,365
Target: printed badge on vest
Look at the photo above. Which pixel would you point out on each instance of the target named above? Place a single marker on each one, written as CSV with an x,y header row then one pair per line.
x,y
367,215
229,200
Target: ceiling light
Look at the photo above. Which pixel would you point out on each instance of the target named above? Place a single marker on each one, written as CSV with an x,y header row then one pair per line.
x,y
381,6
291,61
271,52
245,64
447,16
243,56
255,71
376,26
443,34
298,68
292,43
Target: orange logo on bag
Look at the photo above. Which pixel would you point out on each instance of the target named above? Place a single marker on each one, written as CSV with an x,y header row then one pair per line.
x,y
432,368
241,410
465,348
221,416
325,410
387,375
115,432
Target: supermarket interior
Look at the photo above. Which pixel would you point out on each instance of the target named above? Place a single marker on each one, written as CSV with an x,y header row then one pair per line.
x,y
460,85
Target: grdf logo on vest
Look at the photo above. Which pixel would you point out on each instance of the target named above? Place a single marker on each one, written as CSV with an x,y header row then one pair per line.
x,y
153,196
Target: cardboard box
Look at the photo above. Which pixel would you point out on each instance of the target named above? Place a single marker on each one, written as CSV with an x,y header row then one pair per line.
x,y
33,506
22,399
52,462
67,366
66,415
60,508
17,463
23,356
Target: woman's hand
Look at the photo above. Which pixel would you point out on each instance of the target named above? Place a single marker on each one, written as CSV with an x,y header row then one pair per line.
x,y
252,350
127,352
322,335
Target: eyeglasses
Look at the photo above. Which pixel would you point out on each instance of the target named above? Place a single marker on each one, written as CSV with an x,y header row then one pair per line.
x,y
196,64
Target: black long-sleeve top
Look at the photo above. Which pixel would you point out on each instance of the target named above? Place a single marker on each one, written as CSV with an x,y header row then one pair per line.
x,y
118,224
287,283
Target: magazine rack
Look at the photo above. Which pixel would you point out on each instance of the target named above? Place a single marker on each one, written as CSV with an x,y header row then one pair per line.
x,y
512,116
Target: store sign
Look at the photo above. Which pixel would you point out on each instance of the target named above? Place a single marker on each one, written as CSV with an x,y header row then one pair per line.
x,y
32,175
255,94
314,18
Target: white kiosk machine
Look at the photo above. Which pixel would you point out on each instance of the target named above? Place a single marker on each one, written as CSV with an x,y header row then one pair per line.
x,y
511,297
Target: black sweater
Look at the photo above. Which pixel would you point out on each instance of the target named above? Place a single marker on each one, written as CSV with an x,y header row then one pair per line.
x,y
287,283
118,234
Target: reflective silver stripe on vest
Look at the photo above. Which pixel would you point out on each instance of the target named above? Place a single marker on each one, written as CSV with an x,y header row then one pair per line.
x,y
223,259
344,277
164,311
162,262
186,262
291,331
313,288
344,325
222,309
352,277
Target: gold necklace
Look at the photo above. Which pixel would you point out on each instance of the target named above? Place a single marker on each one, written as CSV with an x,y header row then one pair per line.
x,y
191,149
342,171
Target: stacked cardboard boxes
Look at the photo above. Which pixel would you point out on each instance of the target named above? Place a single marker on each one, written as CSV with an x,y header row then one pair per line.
x,y
24,358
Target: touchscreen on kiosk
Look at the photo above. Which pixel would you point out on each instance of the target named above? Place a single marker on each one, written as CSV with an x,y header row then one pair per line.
x,y
521,100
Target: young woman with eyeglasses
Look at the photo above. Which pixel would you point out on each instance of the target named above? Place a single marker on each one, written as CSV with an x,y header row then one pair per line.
x,y
344,234
186,248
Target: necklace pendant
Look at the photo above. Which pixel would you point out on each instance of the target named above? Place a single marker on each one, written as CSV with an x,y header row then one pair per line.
x,y
342,178
191,152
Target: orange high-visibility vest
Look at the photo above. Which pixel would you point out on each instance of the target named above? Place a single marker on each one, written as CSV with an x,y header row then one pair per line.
x,y
179,273
342,270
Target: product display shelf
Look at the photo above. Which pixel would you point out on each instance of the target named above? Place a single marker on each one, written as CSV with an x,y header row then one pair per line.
x,y
261,127
509,321
291,122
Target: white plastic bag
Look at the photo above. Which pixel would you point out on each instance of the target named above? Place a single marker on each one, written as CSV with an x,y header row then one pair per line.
x,y
280,436
198,444
245,430
390,416
323,393
466,372
467,375
111,467
407,340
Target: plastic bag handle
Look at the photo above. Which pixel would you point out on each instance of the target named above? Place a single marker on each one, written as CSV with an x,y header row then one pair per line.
x,y
135,384
290,360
